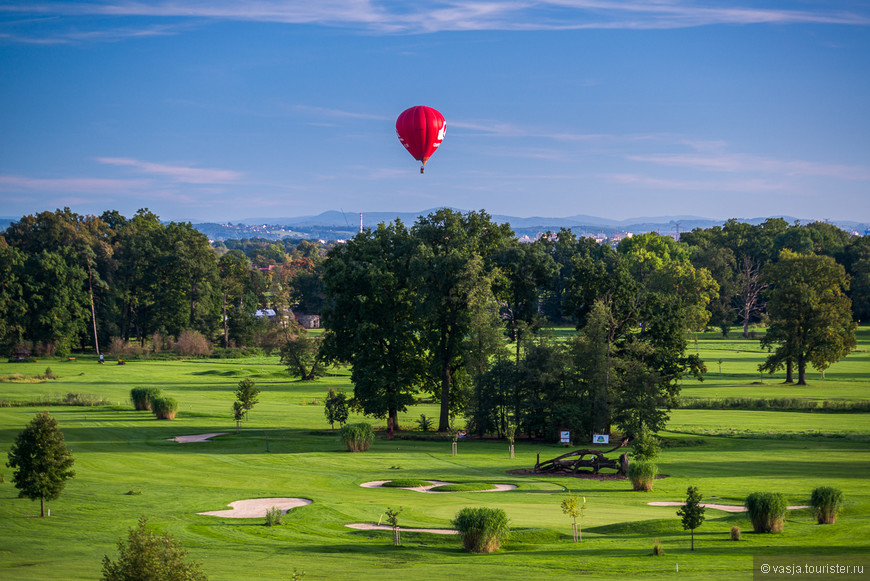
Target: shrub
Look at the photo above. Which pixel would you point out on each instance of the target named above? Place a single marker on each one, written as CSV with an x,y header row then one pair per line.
x,y
164,407
192,343
273,516
766,511
642,475
658,550
425,424
147,555
357,437
49,374
826,502
482,530
143,396
735,533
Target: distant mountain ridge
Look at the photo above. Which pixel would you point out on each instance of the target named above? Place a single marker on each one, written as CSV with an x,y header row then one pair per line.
x,y
685,223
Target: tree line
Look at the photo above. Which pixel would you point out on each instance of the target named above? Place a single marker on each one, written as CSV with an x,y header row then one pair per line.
x,y
73,282
453,306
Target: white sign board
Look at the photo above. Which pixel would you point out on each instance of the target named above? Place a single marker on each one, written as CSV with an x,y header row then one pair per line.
x,y
565,437
600,439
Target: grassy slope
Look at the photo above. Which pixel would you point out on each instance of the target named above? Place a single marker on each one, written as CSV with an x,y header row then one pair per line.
x,y
118,450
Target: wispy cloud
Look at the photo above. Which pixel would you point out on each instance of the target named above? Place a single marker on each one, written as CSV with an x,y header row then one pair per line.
x,y
177,173
390,17
741,163
748,185
17,183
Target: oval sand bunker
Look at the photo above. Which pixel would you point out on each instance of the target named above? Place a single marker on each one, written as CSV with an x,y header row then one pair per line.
x,y
257,507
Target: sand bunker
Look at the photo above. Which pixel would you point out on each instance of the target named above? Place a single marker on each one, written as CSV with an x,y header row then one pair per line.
x,y
257,507
725,507
380,483
196,437
370,527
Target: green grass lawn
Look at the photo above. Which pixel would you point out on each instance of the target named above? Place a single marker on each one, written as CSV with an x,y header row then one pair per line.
x,y
727,454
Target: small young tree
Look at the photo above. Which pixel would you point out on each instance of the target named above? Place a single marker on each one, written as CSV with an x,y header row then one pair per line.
x,y
393,519
336,408
40,461
146,555
692,512
238,413
572,506
247,394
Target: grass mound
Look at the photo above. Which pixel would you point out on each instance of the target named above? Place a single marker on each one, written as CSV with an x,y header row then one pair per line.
x,y
406,483
464,487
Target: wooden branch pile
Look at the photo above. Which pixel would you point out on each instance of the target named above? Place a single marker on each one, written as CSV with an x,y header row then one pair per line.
x,y
578,461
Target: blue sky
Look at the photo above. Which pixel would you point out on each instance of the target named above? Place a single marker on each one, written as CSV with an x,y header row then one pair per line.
x,y
221,110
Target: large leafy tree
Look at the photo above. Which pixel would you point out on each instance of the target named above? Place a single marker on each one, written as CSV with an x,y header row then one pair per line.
x,y
13,307
447,242
811,316
40,461
371,318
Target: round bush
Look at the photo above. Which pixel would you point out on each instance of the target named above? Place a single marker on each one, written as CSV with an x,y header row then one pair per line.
x,y
143,396
642,475
826,502
766,511
357,437
482,530
164,408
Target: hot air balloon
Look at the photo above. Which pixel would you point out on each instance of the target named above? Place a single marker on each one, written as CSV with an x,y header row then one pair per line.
x,y
421,130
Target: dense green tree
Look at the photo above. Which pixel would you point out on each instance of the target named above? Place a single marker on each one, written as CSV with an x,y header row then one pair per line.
x,y
147,556
526,270
371,318
811,317
447,241
336,408
302,356
13,307
40,461
57,301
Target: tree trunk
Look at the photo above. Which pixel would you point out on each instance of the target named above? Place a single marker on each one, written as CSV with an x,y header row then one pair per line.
x,y
802,372
789,371
226,328
93,311
42,506
693,539
444,419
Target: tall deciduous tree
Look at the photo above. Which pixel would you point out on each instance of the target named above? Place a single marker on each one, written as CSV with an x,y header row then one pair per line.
x,y
447,242
371,318
41,461
247,395
811,316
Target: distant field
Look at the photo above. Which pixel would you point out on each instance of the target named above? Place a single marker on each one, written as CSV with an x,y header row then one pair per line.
x,y
726,453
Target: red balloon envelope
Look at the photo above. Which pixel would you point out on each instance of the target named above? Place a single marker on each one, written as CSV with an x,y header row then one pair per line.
x,y
421,130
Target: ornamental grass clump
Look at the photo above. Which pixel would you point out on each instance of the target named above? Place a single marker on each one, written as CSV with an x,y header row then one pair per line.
x,y
273,516
357,437
143,396
826,502
642,475
482,530
766,511
164,408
